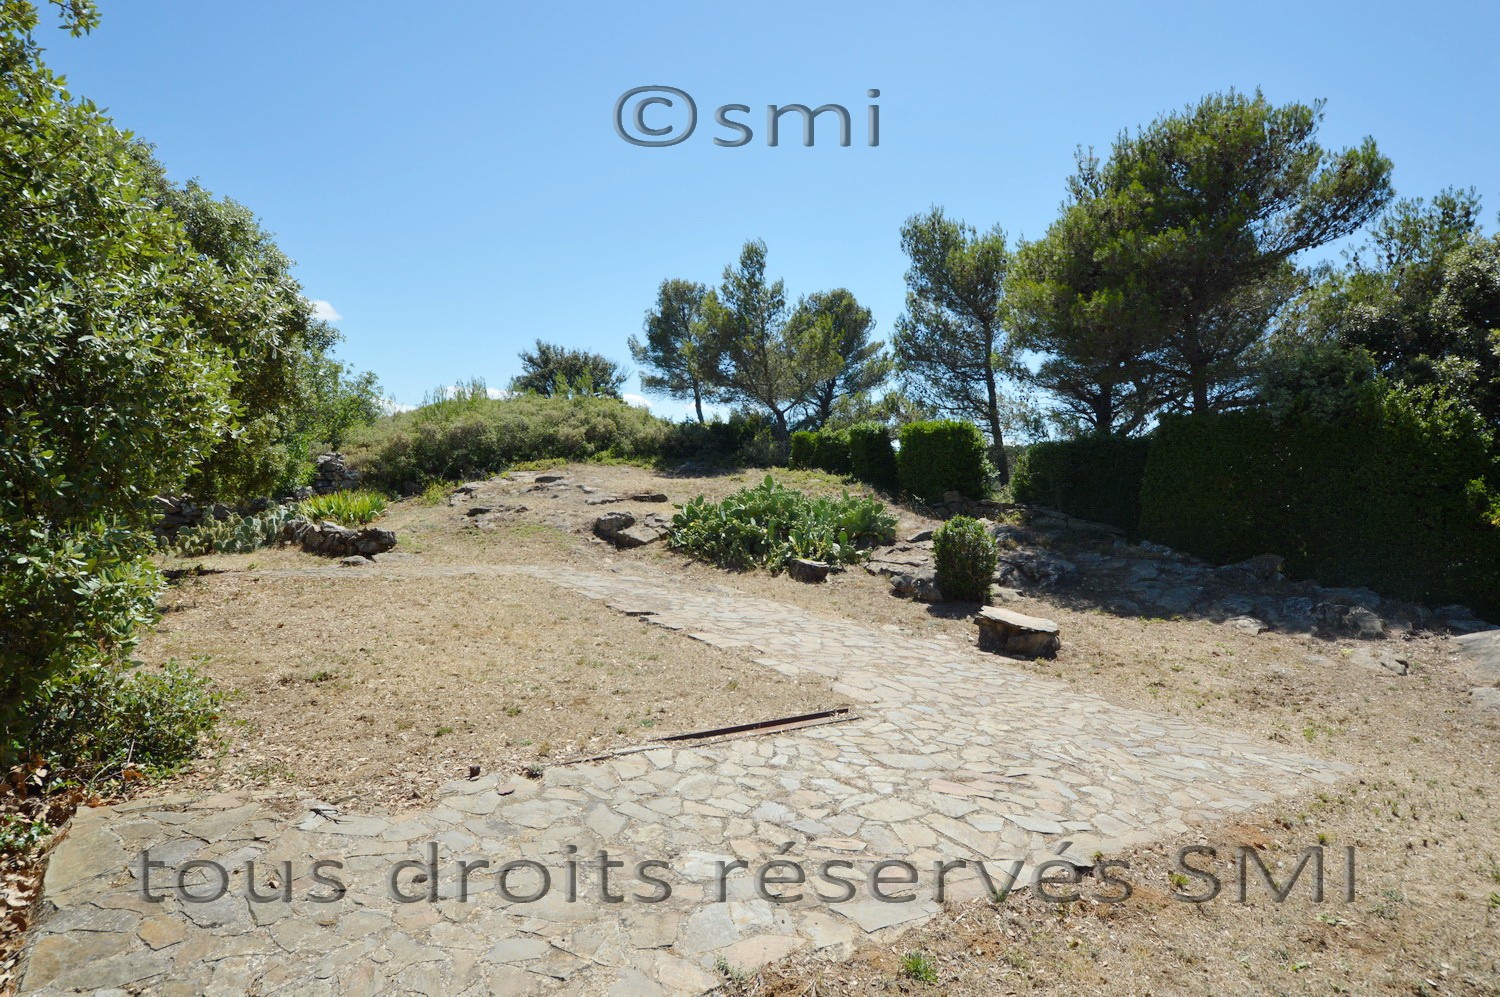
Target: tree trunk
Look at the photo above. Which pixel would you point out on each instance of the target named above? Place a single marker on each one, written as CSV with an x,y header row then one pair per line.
x,y
997,445
1200,391
698,401
1104,416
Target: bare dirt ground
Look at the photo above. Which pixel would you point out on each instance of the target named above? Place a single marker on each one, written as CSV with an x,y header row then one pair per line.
x,y
379,683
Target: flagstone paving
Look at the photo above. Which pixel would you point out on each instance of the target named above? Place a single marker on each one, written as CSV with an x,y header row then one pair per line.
x,y
955,754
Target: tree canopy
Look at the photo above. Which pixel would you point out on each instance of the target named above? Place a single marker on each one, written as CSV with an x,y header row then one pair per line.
x,y
863,363
678,356
1157,285
552,370
951,344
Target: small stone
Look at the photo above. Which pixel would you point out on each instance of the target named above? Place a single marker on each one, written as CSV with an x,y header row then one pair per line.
x,y
919,585
356,561
609,525
804,570
648,497
1262,567
638,536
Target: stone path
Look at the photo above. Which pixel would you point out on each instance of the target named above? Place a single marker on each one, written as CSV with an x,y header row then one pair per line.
x,y
955,755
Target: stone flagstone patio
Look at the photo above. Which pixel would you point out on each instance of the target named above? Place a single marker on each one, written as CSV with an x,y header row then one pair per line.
x,y
955,754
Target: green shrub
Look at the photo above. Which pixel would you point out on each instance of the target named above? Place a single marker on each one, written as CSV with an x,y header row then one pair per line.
x,y
1395,494
940,456
111,387
745,439
831,451
769,523
872,459
347,508
236,535
964,557
94,720
475,436
804,447
1092,477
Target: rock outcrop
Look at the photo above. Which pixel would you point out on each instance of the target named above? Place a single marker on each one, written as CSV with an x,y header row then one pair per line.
x,y
333,540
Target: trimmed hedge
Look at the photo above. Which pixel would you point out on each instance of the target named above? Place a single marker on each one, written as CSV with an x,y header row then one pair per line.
x,y
1092,477
1397,496
831,451
804,444
823,449
941,455
872,459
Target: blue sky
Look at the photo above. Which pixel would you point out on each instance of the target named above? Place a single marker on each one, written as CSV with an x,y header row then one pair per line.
x,y
449,179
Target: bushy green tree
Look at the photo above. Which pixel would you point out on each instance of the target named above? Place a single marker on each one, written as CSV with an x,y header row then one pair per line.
x,y
1154,289
286,383
1419,303
951,344
1206,208
764,359
552,370
335,401
863,364
677,356
110,388
1071,304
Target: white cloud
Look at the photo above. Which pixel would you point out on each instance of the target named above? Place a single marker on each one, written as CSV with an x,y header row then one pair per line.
x,y
323,310
637,400
391,407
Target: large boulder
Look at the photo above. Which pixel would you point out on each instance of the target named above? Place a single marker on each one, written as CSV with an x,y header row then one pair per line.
x,y
1034,569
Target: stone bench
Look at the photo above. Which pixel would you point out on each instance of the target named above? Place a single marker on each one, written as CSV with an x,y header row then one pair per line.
x,y
1009,632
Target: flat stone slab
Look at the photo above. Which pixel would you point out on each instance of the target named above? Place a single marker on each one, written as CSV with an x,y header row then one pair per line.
x,y
1010,632
1018,621
954,756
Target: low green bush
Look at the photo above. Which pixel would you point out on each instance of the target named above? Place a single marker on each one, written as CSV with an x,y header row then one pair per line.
x,y
347,508
939,456
770,523
872,459
94,720
476,436
236,535
1092,477
964,558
